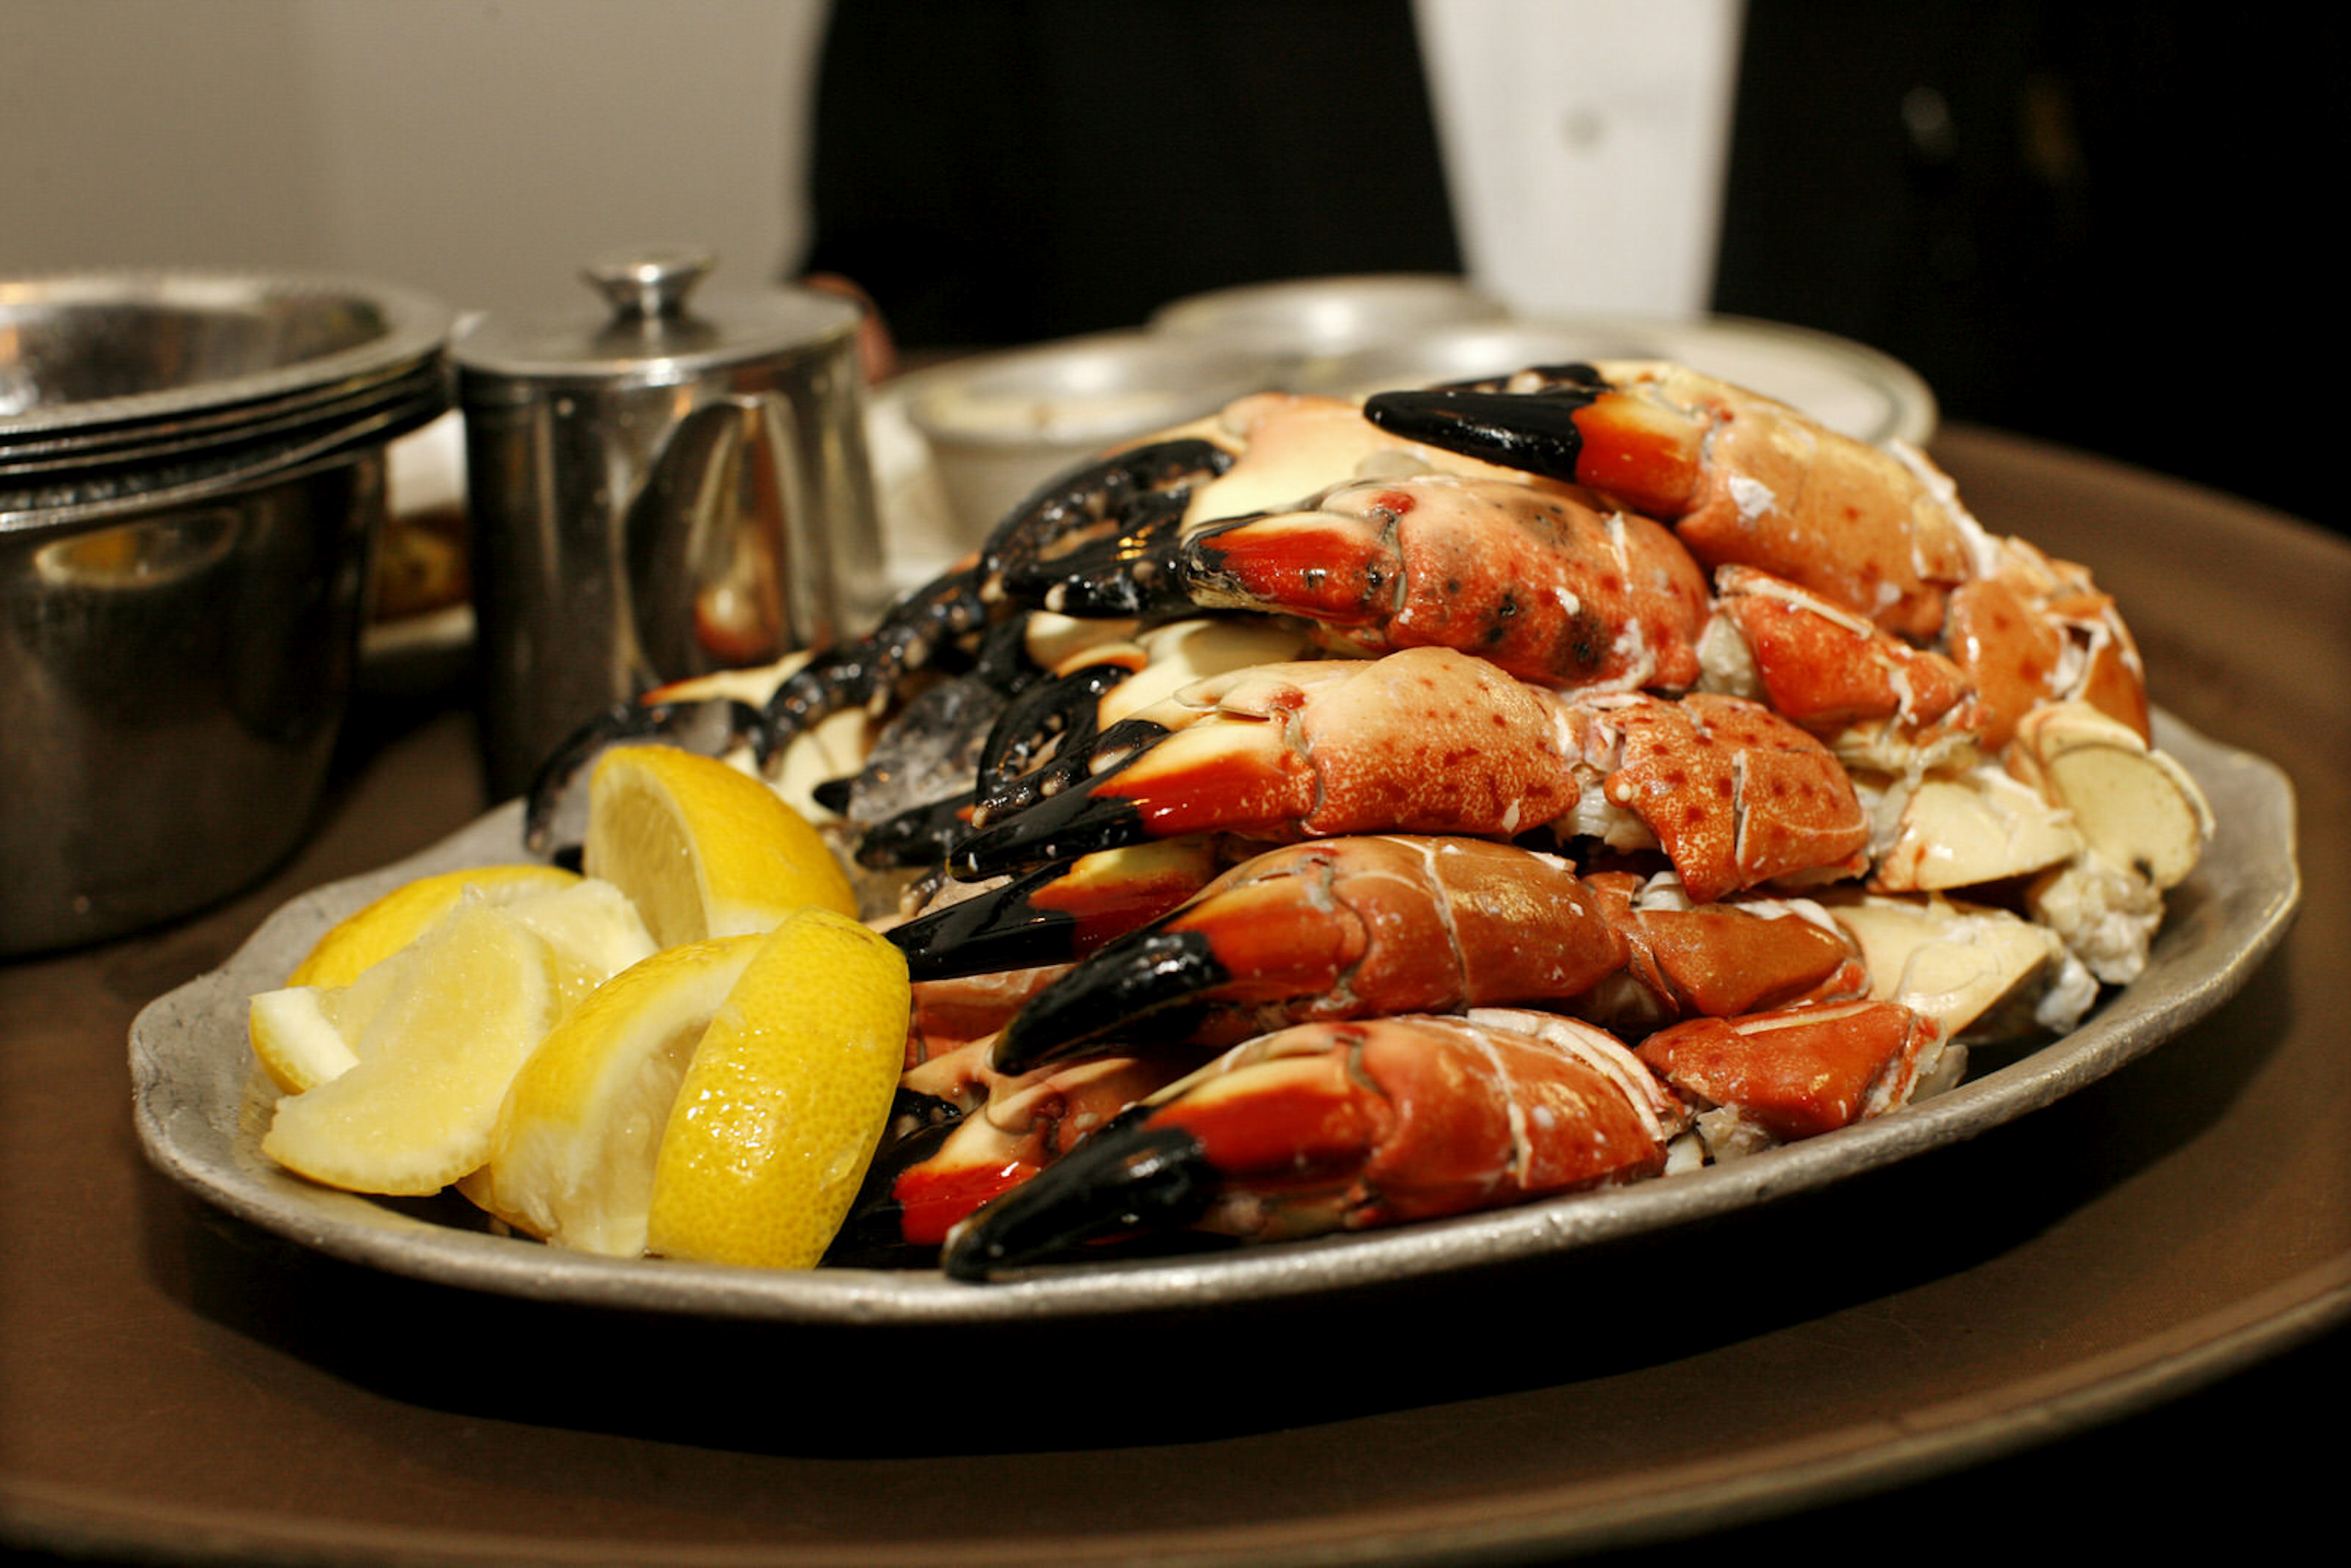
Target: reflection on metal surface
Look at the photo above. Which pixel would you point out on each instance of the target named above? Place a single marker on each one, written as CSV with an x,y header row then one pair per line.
x,y
149,554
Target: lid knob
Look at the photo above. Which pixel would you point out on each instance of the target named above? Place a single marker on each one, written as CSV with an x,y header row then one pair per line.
x,y
649,284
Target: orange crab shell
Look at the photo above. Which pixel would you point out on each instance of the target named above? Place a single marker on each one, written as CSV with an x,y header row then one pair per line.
x,y
1736,795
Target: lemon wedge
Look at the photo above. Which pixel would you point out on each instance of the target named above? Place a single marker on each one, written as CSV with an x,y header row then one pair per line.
x,y
305,1035
572,1159
363,940
703,850
785,1098
416,1109
594,931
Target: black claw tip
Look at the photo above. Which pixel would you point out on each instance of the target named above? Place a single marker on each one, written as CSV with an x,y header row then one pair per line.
x,y
996,930
1144,974
919,836
1130,1176
1061,827
872,1235
1534,433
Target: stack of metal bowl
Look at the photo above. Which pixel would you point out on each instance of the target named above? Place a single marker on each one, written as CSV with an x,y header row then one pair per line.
x,y
191,473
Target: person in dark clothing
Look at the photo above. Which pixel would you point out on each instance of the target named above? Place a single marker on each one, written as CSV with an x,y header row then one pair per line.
x,y
2092,224
1004,172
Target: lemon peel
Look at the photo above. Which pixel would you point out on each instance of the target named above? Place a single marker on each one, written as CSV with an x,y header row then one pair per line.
x,y
785,1099
367,937
572,1158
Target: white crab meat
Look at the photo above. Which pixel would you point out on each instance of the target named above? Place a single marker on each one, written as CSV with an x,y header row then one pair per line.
x,y
2105,915
1981,973
1981,826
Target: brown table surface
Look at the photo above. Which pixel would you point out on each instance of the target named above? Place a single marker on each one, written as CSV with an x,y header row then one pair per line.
x,y
2124,1314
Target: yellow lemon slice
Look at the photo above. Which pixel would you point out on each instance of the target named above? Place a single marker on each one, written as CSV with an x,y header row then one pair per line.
x,y
417,1108
785,1099
594,930
704,850
572,1159
363,940
306,1035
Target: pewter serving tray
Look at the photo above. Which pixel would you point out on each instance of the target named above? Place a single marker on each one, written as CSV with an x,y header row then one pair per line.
x,y
202,1104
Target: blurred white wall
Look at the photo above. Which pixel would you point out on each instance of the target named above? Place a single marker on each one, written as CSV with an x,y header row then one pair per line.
x,y
480,149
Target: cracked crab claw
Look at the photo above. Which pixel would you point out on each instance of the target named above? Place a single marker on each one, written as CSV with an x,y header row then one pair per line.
x,y
1344,1126
1541,585
1337,928
1736,795
1740,478
1827,667
1432,741
1776,1077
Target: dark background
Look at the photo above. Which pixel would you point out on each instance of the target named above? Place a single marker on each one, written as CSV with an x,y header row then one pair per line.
x,y
2110,225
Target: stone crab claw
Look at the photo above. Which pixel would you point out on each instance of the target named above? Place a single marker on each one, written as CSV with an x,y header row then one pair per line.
x,y
1432,741
978,1135
1091,544
1336,928
1089,715
1422,741
2034,631
1796,1073
1344,1126
1829,668
1353,928
1740,478
1533,581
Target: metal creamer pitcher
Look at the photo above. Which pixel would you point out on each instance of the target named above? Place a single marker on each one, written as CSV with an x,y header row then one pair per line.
x,y
672,486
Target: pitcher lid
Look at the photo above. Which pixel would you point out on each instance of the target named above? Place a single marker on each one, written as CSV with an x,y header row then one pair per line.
x,y
652,326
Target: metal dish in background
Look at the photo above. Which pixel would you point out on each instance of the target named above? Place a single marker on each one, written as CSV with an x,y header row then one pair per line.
x,y
214,439
113,485
192,472
94,355
998,426
202,1105
1307,319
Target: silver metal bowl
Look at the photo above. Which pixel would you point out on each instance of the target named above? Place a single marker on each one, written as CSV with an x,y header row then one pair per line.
x,y
1308,317
1001,425
191,473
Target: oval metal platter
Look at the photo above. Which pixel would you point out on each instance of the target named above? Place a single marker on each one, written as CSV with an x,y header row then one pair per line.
x,y
202,1104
